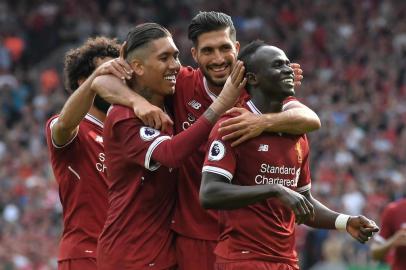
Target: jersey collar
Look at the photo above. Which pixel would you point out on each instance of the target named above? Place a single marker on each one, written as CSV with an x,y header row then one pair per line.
x,y
94,120
253,108
206,88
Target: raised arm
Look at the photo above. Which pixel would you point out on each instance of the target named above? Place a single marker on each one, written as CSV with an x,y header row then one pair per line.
x,y
216,192
79,103
172,152
359,227
295,119
115,91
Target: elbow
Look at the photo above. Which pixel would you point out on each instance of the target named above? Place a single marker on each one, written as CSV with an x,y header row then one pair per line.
x,y
314,124
97,83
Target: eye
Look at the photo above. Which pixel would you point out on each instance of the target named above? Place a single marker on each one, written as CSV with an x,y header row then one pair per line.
x,y
206,50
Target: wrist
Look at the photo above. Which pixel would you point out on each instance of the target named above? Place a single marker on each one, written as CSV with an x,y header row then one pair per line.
x,y
341,222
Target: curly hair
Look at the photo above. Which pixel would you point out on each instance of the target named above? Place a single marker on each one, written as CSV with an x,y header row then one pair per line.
x,y
80,62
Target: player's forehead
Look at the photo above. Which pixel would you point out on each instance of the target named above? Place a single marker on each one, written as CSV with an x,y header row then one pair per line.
x,y
271,54
215,38
164,45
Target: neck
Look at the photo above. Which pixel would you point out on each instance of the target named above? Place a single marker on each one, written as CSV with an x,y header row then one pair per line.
x,y
215,89
151,97
265,103
97,113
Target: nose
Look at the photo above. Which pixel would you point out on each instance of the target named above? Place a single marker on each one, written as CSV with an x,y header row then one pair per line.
x,y
287,69
175,64
218,57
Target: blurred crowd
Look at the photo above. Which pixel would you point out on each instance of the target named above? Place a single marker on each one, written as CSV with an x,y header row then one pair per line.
x,y
353,54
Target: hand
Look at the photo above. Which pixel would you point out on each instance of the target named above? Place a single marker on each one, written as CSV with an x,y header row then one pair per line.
x,y
117,67
242,127
399,238
152,116
302,208
298,74
361,228
233,86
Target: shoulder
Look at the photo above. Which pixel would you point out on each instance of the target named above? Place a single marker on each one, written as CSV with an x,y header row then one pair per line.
x,y
119,113
187,72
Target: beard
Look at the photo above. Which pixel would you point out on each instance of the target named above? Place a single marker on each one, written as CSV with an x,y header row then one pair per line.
x,y
101,104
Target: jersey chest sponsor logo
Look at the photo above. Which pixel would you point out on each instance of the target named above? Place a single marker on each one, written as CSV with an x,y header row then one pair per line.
x,y
217,151
189,121
283,175
148,134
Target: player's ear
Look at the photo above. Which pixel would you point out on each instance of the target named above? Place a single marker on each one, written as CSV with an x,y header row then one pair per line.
x,y
193,50
137,66
237,46
251,78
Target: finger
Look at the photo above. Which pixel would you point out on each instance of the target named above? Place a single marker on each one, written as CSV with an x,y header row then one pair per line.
x,y
231,121
234,70
297,71
116,66
157,121
123,48
232,135
240,75
294,65
241,140
231,128
298,77
234,110
166,122
125,65
297,83
243,83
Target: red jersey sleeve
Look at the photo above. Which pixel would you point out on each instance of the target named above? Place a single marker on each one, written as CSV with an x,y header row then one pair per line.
x,y
387,229
150,148
220,156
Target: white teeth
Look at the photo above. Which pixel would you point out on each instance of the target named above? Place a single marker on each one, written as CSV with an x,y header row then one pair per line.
x,y
287,80
170,77
219,69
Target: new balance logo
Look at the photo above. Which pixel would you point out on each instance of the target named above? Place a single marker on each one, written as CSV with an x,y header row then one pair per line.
x,y
263,148
195,105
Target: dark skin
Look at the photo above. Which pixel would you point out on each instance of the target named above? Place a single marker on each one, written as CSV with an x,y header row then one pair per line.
x,y
270,82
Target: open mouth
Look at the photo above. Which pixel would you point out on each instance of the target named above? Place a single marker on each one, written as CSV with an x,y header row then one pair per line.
x,y
288,81
221,70
171,78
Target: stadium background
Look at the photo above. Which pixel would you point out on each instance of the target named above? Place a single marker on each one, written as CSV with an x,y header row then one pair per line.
x,y
353,54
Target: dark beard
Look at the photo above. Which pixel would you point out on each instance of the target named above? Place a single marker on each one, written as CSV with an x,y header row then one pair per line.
x,y
101,104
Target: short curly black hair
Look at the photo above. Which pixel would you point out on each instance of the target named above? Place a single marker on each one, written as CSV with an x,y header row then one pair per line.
x,y
80,62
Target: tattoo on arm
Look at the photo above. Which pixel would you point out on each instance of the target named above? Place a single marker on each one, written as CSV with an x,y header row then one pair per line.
x,y
211,116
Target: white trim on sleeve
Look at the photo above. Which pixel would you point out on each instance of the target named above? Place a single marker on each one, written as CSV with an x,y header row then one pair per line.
x,y
304,188
53,122
151,148
219,171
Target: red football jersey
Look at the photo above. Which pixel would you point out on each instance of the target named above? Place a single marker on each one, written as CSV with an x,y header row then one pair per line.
x,y
394,219
266,230
80,172
142,196
192,98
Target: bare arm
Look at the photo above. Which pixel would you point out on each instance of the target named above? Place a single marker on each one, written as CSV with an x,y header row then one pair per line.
x,y
380,247
296,119
216,192
74,110
359,227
